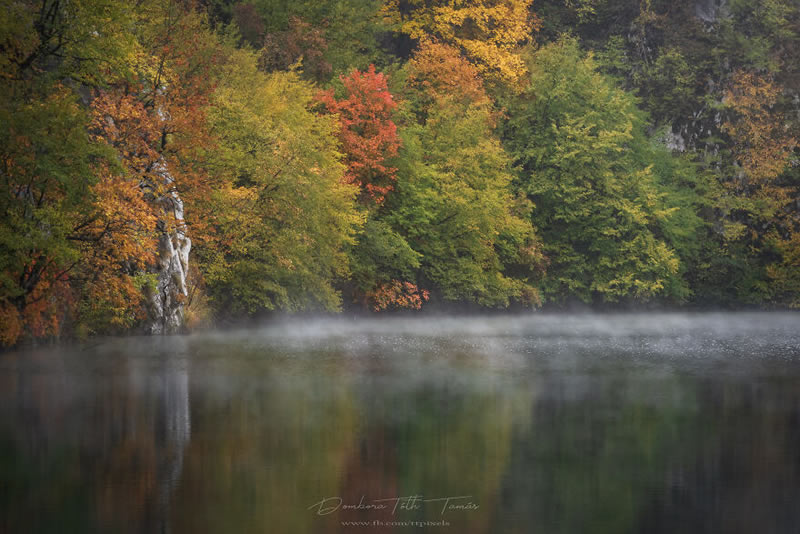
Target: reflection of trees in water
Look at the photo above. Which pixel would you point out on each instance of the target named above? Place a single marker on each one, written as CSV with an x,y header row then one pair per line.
x,y
113,431
738,470
467,452
264,448
566,445
267,446
438,436
370,472
627,453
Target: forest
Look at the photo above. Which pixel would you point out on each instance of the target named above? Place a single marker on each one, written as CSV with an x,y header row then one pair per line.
x,y
166,165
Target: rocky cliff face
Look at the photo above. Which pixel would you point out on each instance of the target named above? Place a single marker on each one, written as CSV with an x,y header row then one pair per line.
x,y
710,10
167,301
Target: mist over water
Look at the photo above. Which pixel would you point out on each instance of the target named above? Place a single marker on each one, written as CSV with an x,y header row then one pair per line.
x,y
722,324
656,422
653,337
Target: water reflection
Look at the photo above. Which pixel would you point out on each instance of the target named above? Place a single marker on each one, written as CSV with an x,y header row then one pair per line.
x,y
551,424
90,444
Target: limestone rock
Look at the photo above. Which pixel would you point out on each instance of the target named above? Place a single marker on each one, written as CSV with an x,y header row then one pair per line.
x,y
710,10
172,267
673,141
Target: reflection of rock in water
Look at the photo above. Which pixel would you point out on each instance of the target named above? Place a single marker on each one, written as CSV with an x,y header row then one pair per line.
x,y
167,389
174,404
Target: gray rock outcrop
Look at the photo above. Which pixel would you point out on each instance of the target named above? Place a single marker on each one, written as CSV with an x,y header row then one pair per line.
x,y
710,10
167,301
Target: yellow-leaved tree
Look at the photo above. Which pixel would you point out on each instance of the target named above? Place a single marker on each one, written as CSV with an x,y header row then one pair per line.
x,y
759,200
487,32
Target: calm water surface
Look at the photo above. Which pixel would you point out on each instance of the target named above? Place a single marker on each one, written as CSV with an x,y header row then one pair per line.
x,y
587,424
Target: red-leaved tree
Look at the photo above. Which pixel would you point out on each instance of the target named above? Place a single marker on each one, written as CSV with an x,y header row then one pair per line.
x,y
368,134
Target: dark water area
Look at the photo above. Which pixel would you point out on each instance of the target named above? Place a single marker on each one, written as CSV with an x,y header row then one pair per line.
x,y
571,423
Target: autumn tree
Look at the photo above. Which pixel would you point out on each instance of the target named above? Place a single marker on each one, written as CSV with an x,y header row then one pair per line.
x,y
487,32
454,206
44,184
117,235
762,141
178,70
368,135
758,199
119,136
281,212
52,172
380,259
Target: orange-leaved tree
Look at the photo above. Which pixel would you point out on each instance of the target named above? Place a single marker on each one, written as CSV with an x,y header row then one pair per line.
x,y
368,135
397,294
759,201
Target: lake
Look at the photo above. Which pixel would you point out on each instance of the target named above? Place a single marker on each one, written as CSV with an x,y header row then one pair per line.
x,y
650,422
